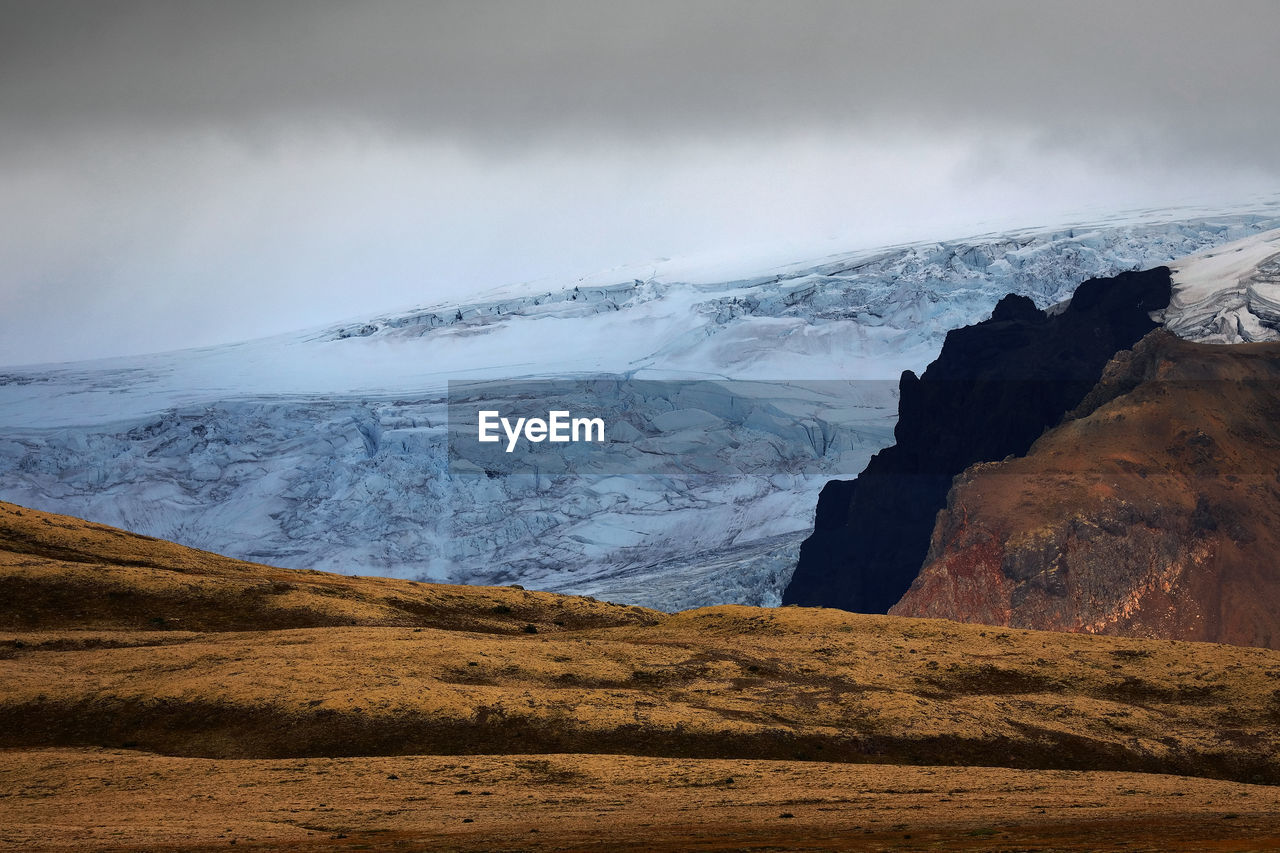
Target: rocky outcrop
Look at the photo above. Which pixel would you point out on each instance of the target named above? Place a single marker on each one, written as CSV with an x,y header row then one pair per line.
x,y
1154,510
994,389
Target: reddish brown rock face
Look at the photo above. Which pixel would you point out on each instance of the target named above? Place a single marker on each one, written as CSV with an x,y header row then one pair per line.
x,y
1154,510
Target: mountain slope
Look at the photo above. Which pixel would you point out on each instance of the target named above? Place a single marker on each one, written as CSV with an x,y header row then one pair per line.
x,y
995,387
1152,511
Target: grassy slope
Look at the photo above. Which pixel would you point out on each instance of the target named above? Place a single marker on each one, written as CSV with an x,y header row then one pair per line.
x,y
59,572
432,670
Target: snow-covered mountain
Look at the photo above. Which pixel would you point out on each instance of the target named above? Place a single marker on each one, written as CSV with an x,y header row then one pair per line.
x,y
328,449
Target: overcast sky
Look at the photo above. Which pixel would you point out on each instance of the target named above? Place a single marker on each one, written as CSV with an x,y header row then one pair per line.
x,y
178,173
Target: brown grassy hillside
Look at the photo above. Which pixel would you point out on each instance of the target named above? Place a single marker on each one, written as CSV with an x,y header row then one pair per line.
x,y
61,572
726,682
467,718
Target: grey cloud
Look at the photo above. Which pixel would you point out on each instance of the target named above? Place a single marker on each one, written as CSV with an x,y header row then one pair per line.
x,y
510,74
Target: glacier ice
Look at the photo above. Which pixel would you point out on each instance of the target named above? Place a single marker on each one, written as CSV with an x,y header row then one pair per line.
x,y
1228,294
327,449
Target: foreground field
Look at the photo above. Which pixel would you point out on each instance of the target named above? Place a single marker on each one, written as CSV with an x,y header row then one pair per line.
x,y
138,713
73,799
728,682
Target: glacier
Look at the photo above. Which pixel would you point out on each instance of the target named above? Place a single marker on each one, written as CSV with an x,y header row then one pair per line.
x,y
327,449
1228,294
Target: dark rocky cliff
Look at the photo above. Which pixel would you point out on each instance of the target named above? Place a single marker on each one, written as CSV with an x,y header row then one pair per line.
x,y
993,390
1153,510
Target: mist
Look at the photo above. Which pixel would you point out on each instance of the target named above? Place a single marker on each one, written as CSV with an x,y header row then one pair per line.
x,y
180,174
